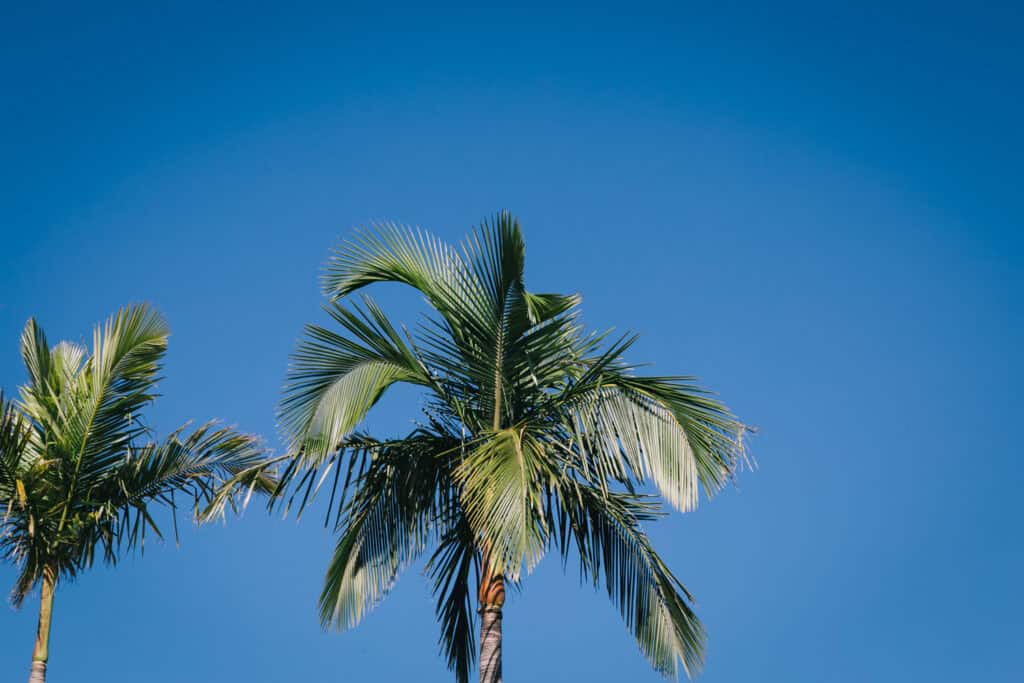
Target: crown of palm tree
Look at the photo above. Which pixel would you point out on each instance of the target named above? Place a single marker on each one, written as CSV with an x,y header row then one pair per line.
x,y
536,436
79,471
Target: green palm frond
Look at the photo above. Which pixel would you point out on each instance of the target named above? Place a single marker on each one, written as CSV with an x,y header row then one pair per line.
x,y
14,436
196,467
664,428
401,502
118,381
391,253
605,529
18,496
502,492
83,408
710,436
334,380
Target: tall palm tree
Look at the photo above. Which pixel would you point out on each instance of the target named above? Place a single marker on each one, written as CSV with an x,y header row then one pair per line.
x,y
79,472
535,436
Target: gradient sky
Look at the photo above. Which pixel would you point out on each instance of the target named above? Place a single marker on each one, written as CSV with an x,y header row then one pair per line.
x,y
816,210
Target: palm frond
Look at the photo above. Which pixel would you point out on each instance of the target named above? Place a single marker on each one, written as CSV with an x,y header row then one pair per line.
x,y
684,431
14,434
664,428
654,604
401,501
451,567
35,353
502,493
114,385
213,466
333,380
392,253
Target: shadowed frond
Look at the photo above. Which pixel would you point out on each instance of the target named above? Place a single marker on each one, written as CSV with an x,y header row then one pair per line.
x,y
654,604
451,568
210,467
14,457
401,501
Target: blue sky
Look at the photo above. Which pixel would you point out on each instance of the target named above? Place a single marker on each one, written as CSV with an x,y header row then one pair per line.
x,y
815,209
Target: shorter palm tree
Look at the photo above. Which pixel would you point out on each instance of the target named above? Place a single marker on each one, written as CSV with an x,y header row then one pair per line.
x,y
79,471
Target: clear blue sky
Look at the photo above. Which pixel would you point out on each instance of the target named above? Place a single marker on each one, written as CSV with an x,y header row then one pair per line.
x,y
816,210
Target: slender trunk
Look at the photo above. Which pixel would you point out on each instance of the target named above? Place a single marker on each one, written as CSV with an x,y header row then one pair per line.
x,y
490,645
38,673
492,584
41,652
492,599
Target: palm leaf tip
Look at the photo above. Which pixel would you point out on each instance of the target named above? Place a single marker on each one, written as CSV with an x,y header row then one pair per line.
x,y
231,467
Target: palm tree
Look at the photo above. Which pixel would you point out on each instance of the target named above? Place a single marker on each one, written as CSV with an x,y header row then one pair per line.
x,y
535,436
79,473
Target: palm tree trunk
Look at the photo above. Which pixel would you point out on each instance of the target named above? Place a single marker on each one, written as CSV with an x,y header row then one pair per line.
x,y
492,599
41,651
490,645
492,588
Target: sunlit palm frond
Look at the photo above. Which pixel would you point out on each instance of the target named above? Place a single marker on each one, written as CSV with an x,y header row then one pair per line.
x,y
334,380
502,484
708,438
122,373
100,403
35,354
663,428
393,253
